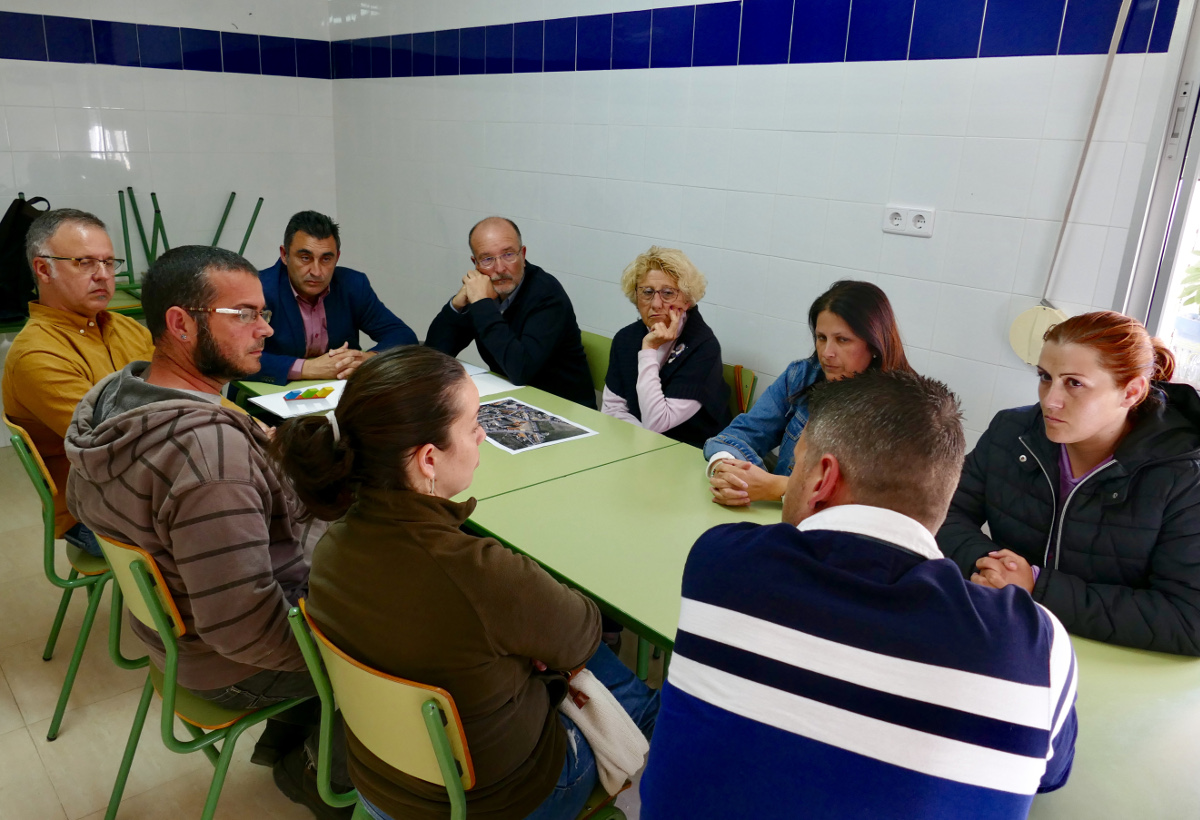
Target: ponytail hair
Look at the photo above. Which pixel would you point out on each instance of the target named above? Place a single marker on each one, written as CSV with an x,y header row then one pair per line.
x,y
1125,349
393,403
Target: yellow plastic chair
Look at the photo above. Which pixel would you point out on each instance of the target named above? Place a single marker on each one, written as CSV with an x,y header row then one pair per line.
x,y
389,715
87,571
741,381
141,585
597,348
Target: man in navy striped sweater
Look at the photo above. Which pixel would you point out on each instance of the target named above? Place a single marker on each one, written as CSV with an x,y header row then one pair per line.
x,y
836,665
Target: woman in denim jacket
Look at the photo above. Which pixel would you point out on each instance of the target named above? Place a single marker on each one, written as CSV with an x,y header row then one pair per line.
x,y
853,329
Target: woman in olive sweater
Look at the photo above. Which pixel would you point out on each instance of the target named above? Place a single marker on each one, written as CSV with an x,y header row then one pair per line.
x,y
399,586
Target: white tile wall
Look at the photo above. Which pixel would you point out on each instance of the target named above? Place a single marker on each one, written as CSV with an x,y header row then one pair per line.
x,y
774,179
78,133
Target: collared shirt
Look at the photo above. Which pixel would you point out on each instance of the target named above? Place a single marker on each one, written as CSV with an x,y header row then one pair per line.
x,y
878,523
53,362
316,332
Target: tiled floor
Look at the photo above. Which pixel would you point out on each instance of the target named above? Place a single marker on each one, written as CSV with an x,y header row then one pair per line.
x,y
72,777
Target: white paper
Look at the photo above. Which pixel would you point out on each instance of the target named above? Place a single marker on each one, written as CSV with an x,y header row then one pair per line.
x,y
490,384
472,369
275,402
515,427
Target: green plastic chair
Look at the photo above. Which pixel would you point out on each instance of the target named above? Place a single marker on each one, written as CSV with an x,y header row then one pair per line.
x,y
597,348
741,381
87,572
388,715
140,585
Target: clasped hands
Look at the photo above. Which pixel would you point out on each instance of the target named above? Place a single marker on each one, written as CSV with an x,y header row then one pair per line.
x,y
736,483
337,363
475,286
999,568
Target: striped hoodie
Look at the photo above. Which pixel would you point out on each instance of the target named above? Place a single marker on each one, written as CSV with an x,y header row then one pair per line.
x,y
844,669
188,481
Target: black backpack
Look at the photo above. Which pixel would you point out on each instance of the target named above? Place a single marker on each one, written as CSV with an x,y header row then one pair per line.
x,y
16,279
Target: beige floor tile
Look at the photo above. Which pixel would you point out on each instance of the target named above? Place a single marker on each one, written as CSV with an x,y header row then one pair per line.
x,y
35,683
27,609
249,794
21,554
10,713
25,791
83,762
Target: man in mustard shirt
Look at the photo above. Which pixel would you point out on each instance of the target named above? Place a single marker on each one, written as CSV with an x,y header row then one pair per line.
x,y
70,342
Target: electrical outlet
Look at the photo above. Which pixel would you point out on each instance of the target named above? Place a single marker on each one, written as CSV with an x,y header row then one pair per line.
x,y
920,222
895,220
908,221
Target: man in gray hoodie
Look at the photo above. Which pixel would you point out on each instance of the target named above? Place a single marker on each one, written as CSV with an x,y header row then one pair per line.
x,y
160,460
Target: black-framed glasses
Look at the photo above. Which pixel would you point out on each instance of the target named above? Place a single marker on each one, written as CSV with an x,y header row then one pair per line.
x,y
488,262
88,264
246,315
668,295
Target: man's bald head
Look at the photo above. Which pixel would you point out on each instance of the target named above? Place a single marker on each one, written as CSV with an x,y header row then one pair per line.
x,y
492,222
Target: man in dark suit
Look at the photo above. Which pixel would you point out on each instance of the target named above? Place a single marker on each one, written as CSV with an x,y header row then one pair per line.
x,y
519,316
319,308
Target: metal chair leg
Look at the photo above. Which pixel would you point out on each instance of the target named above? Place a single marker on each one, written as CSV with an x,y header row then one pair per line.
x,y
643,659
95,593
135,734
63,603
222,764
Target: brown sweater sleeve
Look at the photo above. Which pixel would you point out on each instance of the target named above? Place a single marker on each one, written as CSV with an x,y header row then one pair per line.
x,y
222,547
526,612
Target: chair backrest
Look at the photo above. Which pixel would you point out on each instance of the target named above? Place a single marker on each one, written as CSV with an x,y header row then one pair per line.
x,y
384,712
121,558
597,348
741,381
31,460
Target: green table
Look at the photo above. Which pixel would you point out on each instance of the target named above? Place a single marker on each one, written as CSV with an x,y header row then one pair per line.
x,y
620,532
500,472
1139,738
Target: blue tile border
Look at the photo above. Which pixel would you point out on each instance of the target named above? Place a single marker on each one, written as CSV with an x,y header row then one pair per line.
x,y
735,32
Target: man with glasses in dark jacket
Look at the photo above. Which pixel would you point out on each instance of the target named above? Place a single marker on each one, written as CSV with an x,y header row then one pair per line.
x,y
519,316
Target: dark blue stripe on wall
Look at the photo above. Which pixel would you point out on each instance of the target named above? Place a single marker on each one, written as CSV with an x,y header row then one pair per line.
x,y
278,55
595,40
117,43
313,59
239,52
527,47
360,58
558,49
766,31
946,29
381,56
820,35
22,36
160,47
69,40
201,49
631,39
1021,28
446,44
879,30
498,49
472,44
424,54
718,31
402,55
671,37
709,34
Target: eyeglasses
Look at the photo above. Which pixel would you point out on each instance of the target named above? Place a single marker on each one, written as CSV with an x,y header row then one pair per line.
x,y
488,262
246,315
89,264
668,295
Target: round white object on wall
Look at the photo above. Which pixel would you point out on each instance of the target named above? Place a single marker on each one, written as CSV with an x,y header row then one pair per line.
x,y
1027,331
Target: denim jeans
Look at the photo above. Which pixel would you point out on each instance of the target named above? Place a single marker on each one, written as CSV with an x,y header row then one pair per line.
x,y
579,777
83,538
